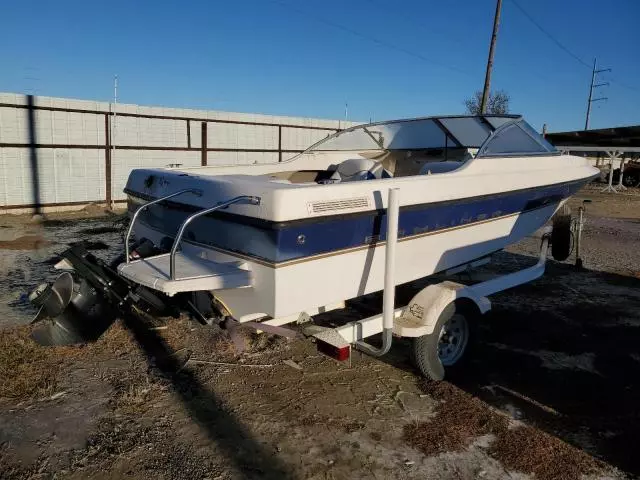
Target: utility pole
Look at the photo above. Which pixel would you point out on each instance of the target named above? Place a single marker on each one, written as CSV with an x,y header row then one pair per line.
x,y
594,73
487,76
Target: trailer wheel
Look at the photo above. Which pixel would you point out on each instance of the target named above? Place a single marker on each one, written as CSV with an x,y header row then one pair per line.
x,y
630,179
443,350
561,235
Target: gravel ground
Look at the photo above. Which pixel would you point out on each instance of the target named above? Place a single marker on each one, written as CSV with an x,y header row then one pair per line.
x,y
550,390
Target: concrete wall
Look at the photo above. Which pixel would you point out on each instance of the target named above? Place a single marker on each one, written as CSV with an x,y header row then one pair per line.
x,y
72,139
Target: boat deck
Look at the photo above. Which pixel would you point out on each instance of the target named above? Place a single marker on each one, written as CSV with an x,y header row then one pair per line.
x,y
191,274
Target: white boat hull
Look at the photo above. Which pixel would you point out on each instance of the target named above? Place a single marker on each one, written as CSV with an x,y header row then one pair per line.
x,y
315,282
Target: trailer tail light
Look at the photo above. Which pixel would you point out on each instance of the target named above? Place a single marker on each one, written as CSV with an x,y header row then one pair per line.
x,y
338,353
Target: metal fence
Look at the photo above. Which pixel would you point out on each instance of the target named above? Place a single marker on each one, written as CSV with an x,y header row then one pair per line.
x,y
63,156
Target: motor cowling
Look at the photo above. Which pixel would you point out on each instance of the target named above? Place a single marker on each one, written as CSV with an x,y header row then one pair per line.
x,y
71,312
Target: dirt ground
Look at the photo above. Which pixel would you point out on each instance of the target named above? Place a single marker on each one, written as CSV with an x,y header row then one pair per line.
x,y
550,389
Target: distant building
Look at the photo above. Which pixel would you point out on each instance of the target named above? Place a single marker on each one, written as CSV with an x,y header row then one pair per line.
x,y
600,144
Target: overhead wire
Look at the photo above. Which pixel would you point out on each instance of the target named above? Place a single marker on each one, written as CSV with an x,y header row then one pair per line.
x,y
431,61
560,45
370,38
624,85
549,35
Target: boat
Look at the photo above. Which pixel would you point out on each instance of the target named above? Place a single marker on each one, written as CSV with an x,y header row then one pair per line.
x,y
363,210
469,186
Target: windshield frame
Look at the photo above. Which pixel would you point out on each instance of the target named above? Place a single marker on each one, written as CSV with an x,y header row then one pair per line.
x,y
519,123
377,144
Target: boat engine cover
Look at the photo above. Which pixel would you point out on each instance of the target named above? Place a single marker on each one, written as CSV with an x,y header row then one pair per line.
x,y
80,319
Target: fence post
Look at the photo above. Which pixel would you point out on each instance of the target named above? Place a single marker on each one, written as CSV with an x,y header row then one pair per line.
x,y
33,156
203,145
107,160
188,133
279,143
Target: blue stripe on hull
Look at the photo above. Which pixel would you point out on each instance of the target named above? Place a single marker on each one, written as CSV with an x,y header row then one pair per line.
x,y
293,241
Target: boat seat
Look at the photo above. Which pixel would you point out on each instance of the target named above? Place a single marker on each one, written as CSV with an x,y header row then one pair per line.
x,y
432,168
356,169
192,274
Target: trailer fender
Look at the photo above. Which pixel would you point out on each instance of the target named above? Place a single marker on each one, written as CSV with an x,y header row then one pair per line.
x,y
420,315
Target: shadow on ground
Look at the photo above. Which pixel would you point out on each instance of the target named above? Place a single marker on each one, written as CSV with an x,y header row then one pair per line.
x,y
563,354
207,411
578,363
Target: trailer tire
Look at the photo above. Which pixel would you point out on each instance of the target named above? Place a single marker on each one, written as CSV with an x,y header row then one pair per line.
x,y
561,235
426,350
630,179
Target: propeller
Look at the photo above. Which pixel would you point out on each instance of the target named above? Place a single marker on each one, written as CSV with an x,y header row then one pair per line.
x,y
70,312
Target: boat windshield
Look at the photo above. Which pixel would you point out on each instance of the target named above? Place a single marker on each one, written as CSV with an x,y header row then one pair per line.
x,y
401,135
439,133
517,138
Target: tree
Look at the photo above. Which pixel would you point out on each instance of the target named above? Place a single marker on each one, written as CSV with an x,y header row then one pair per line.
x,y
497,104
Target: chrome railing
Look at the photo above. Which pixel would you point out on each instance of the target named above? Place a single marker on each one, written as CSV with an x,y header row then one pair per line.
x,y
139,210
176,243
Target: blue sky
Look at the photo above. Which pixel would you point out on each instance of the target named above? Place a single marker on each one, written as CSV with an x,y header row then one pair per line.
x,y
386,59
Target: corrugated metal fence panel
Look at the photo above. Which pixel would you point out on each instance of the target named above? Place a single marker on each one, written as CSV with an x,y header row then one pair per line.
x,y
224,135
14,125
15,176
153,132
195,128
64,175
68,128
71,175
298,139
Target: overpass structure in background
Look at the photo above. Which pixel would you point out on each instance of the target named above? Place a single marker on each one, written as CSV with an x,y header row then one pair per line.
x,y
617,145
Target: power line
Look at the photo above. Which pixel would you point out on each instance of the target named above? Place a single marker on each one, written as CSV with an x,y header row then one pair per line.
x,y
549,35
624,85
370,38
565,49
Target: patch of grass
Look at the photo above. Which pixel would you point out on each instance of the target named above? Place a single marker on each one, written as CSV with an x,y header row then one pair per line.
x,y
525,449
27,369
149,451
222,346
115,342
264,342
178,332
134,389
461,418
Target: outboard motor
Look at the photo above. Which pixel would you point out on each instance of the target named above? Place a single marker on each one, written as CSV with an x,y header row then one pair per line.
x,y
71,312
80,306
